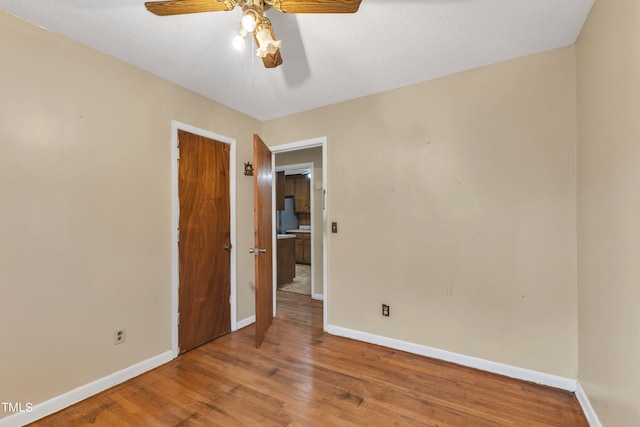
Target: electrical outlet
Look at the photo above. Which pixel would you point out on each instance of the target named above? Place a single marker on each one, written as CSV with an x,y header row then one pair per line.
x,y
385,310
119,336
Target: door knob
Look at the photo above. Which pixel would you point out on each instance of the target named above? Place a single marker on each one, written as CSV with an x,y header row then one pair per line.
x,y
257,251
228,247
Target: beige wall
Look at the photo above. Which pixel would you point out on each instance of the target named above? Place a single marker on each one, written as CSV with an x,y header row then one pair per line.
x,y
608,70
311,155
455,202
85,223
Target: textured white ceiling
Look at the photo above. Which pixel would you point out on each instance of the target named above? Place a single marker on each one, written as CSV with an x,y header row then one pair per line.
x,y
327,58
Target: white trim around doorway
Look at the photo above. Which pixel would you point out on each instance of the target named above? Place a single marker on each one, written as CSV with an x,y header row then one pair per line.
x,y
295,146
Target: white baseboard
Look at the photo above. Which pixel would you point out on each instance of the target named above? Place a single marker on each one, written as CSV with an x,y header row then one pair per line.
x,y
62,401
592,418
69,398
246,322
460,359
319,297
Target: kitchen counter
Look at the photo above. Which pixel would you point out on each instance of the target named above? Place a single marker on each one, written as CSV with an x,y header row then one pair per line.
x,y
299,230
286,236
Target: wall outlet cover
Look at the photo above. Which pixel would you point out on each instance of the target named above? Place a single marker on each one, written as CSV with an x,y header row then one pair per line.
x,y
385,310
119,336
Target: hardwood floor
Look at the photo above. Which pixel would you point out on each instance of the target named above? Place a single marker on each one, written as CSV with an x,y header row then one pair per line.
x,y
303,377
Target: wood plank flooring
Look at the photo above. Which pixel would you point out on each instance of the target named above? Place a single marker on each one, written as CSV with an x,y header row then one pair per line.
x,y
303,377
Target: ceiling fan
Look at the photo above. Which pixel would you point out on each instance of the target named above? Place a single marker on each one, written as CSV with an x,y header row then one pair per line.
x,y
253,19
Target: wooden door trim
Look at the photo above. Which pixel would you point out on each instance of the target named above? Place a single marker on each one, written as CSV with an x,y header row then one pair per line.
x,y
295,146
175,218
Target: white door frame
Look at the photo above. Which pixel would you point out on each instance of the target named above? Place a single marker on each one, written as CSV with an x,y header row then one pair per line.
x,y
175,222
295,146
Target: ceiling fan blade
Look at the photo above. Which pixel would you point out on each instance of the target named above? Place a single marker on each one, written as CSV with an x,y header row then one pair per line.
x,y
179,7
272,60
316,6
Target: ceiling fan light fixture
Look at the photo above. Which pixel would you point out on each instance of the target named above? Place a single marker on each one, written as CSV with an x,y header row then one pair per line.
x,y
249,20
253,20
266,44
238,42
264,38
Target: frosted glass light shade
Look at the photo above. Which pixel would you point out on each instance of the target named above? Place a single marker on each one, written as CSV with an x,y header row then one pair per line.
x,y
248,22
266,43
238,42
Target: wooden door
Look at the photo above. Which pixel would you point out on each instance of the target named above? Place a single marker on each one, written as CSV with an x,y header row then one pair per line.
x,y
204,247
262,180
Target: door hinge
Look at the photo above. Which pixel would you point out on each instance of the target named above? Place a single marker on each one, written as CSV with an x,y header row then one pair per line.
x,y
178,319
178,235
178,153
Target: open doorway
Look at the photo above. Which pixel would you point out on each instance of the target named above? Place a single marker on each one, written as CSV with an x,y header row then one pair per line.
x,y
302,227
295,224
